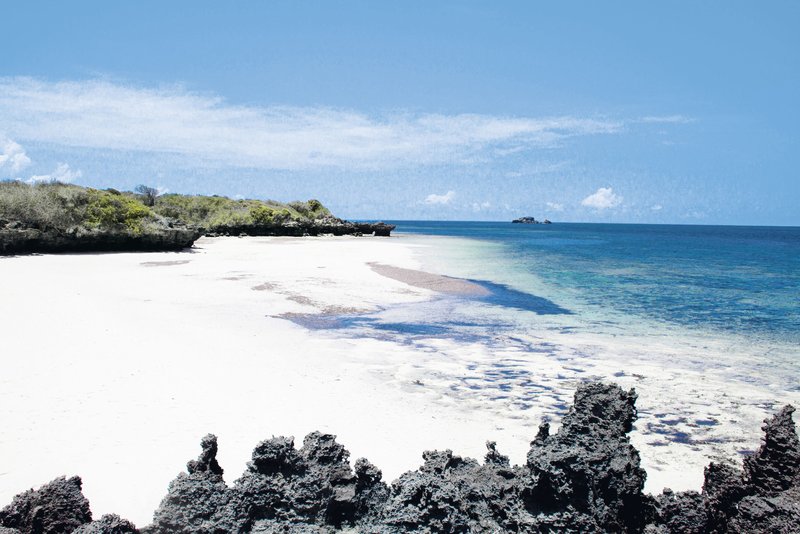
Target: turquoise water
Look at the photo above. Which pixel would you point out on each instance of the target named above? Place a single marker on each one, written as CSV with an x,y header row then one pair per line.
x,y
725,279
703,321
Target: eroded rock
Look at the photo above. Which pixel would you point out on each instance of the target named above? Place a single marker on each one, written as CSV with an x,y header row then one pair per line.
x,y
585,478
55,508
108,524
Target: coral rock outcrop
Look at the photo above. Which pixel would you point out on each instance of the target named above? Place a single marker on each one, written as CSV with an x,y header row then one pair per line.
x,y
586,478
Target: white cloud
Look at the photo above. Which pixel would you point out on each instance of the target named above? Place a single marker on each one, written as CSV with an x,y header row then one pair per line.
x,y
656,207
62,173
481,206
440,199
601,199
12,158
555,206
208,130
667,119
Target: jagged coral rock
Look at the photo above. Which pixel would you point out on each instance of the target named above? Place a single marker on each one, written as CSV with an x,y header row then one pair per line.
x,y
776,464
683,512
108,524
55,508
585,478
771,501
199,500
312,485
589,469
452,494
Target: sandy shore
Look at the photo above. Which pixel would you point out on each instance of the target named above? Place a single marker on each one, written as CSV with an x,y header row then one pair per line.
x,y
114,366
430,281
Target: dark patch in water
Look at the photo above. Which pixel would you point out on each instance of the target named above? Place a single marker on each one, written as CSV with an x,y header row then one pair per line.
x,y
673,422
412,329
502,295
312,321
706,422
383,330
680,437
676,436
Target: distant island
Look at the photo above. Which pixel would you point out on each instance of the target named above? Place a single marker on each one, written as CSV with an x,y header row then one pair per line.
x,y
530,220
57,217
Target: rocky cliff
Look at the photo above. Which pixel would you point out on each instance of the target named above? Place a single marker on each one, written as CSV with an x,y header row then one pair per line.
x,y
19,238
585,478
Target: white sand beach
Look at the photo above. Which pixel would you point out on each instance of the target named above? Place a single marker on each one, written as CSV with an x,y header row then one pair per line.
x,y
115,365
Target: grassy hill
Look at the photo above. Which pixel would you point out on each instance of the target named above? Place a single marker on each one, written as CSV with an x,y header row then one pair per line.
x,y
60,217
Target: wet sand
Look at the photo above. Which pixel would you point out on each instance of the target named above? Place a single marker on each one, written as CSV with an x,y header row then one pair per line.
x,y
434,282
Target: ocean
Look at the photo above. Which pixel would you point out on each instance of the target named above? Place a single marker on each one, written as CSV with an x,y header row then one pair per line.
x,y
703,321
725,279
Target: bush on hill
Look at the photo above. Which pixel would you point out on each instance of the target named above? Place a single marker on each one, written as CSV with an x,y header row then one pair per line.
x,y
57,217
64,207
214,213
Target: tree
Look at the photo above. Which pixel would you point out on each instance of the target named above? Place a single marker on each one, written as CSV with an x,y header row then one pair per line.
x,y
149,194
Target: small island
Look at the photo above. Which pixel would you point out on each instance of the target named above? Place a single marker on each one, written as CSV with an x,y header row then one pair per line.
x,y
530,220
57,217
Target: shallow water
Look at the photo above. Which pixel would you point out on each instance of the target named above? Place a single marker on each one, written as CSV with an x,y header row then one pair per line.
x,y
703,321
731,279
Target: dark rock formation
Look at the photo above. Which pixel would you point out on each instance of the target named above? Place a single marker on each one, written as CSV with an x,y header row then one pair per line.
x,y
55,508
379,229
766,496
19,238
108,524
294,228
530,220
586,478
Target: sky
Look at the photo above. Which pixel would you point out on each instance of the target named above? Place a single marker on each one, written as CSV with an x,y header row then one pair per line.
x,y
640,112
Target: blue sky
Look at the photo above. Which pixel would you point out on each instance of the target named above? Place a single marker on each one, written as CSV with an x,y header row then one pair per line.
x,y
681,112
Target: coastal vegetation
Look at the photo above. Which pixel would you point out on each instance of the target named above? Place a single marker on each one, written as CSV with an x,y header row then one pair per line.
x,y
75,209
49,217
217,213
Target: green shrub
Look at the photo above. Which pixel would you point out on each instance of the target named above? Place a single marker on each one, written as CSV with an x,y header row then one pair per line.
x,y
224,219
300,207
262,215
282,216
215,212
69,207
108,211
44,205
64,207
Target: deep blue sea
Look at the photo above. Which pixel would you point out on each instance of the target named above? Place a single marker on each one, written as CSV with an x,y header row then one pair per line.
x,y
737,279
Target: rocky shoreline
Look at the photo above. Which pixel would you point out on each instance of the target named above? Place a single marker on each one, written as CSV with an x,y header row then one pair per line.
x,y
19,238
325,226
55,217
584,478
